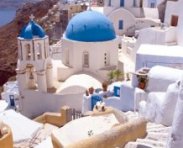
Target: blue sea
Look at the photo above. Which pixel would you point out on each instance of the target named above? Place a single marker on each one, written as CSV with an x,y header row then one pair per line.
x,y
6,15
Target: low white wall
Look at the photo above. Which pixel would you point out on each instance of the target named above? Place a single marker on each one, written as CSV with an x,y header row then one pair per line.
x,y
151,13
128,47
151,55
146,22
108,10
35,103
156,36
136,11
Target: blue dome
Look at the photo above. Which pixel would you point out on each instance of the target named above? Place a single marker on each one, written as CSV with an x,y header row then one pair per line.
x,y
32,29
90,26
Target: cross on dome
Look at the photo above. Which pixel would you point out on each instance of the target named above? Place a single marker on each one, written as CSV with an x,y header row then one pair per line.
x,y
32,29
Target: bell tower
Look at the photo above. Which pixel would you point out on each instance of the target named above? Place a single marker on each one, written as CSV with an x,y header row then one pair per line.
x,y
34,66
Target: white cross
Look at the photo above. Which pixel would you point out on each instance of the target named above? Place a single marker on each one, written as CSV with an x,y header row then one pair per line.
x,y
31,17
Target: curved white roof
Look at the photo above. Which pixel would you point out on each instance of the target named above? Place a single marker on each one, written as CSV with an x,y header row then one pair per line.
x,y
78,84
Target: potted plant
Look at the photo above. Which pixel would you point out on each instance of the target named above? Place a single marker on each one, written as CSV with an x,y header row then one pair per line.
x,y
111,76
118,74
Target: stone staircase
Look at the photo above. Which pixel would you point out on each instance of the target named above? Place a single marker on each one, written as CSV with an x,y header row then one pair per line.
x,y
157,135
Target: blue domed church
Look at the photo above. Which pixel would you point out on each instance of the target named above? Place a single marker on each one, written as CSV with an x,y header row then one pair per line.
x,y
85,54
89,44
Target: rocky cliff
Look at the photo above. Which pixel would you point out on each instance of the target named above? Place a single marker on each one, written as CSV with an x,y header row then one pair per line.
x,y
9,33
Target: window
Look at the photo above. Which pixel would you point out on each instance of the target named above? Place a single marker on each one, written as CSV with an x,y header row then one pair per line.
x,y
120,24
12,100
134,3
141,3
20,56
122,2
86,59
119,45
109,4
28,52
106,59
152,5
39,51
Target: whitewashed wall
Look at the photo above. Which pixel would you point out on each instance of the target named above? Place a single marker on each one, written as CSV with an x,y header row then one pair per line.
x,y
175,8
35,103
96,51
122,14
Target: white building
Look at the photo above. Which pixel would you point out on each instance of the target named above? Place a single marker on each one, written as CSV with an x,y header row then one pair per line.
x,y
10,93
168,38
174,17
158,46
169,33
83,57
130,15
89,45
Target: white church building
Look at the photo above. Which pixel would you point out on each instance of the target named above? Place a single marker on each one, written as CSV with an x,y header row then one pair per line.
x,y
89,44
89,50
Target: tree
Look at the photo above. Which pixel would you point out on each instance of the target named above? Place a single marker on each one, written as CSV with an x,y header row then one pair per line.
x,y
118,74
111,76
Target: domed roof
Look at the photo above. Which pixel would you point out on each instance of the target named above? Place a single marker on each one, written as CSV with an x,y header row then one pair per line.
x,y
90,26
32,29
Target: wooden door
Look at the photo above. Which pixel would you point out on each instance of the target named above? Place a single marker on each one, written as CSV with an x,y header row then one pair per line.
x,y
174,20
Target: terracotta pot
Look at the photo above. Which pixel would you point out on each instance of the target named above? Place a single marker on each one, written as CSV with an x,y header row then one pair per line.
x,y
142,85
86,93
104,86
91,90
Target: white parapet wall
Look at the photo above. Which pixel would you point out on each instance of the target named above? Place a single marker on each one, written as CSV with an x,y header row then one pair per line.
x,y
128,47
34,103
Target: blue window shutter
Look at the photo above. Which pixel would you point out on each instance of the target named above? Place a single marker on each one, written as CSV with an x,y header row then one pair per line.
x,y
94,100
122,3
